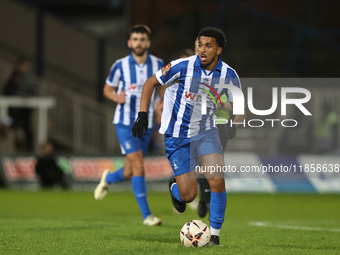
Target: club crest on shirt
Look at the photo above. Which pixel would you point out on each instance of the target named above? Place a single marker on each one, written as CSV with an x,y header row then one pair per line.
x,y
166,68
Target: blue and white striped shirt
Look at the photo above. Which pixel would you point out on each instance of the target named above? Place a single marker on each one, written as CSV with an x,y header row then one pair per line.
x,y
127,74
188,86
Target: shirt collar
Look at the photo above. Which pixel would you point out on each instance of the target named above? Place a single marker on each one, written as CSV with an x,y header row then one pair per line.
x,y
217,68
132,60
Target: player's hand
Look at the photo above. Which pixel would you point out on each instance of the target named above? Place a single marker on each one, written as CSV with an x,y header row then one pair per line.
x,y
231,131
140,125
121,97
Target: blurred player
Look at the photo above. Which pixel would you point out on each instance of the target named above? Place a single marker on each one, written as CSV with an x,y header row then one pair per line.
x,y
124,86
191,139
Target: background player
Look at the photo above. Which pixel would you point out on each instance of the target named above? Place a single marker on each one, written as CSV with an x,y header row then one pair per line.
x,y
124,86
190,137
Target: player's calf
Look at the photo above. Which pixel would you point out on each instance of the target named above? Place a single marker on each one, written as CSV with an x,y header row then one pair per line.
x,y
216,184
177,201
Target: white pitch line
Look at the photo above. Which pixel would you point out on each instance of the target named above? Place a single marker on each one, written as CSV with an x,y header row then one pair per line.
x,y
265,224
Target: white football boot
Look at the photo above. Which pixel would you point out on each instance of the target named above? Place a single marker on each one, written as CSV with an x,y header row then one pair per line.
x,y
102,188
152,220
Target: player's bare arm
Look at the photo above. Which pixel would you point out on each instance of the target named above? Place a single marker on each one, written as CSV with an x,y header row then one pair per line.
x,y
236,122
148,88
161,91
110,93
227,106
239,118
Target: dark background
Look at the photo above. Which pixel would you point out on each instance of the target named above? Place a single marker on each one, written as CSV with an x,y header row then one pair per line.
x,y
73,44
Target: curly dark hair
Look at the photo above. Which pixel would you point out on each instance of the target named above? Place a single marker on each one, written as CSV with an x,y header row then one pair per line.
x,y
140,28
216,33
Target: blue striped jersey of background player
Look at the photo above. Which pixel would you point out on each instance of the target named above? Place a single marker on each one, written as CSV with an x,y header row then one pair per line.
x,y
127,74
187,81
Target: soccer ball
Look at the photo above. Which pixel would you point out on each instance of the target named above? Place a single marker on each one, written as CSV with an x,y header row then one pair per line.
x,y
195,233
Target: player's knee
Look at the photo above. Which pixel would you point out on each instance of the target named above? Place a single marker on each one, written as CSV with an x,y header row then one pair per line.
x,y
128,176
217,184
138,171
137,168
189,195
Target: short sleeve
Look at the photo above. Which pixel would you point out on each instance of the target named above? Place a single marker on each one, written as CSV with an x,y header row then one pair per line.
x,y
114,75
169,72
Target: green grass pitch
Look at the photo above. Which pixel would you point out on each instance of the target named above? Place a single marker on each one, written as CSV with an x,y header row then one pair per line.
x,y
69,222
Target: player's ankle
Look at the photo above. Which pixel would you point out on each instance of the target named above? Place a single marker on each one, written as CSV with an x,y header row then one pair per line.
x,y
214,231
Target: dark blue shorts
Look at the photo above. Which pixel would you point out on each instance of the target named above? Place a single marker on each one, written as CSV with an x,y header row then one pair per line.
x,y
128,143
183,153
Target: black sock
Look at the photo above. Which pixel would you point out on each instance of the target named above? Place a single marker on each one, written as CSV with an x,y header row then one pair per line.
x,y
204,189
